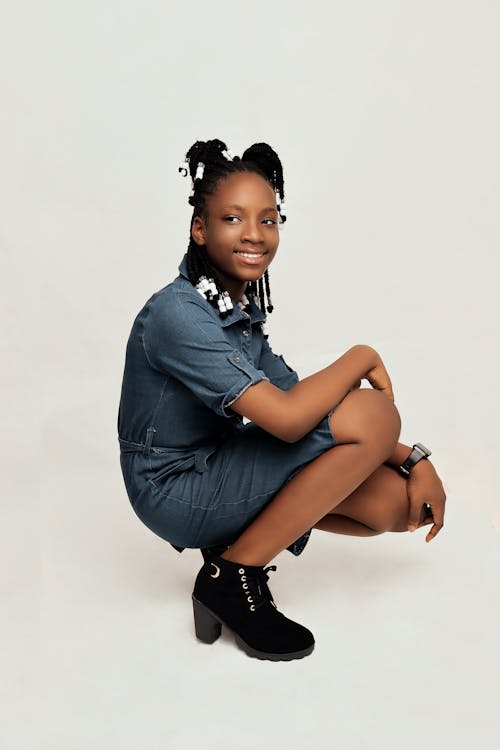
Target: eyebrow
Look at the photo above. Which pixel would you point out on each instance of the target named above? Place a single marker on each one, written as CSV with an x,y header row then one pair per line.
x,y
240,208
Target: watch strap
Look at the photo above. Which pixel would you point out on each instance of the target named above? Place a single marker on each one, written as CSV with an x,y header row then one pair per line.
x,y
418,452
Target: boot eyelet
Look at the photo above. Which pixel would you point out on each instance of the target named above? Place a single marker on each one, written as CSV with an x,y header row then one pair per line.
x,y
241,570
243,578
249,599
245,585
252,607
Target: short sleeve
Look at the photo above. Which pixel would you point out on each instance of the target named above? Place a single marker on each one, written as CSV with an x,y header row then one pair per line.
x,y
182,338
279,372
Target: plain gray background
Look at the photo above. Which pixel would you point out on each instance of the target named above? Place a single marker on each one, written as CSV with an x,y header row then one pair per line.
x,y
386,118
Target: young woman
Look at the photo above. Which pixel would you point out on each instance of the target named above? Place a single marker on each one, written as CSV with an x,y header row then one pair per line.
x,y
317,453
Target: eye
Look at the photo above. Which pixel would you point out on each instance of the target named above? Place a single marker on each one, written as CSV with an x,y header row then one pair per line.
x,y
228,219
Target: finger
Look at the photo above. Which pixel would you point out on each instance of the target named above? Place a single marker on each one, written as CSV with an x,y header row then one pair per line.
x,y
438,511
426,522
391,390
415,515
436,528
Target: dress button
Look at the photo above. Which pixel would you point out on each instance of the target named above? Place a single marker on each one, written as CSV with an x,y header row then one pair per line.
x,y
245,333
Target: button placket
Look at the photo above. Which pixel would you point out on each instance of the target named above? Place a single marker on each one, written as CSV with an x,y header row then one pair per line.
x,y
246,340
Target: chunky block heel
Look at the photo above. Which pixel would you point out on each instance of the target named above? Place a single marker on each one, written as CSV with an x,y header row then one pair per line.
x,y
207,627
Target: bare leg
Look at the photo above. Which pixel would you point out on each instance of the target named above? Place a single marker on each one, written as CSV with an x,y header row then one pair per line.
x,y
366,426
379,504
340,524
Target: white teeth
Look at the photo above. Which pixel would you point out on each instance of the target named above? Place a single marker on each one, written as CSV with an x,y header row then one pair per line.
x,y
250,255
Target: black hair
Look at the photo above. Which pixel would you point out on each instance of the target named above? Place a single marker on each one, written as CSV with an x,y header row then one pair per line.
x,y
259,158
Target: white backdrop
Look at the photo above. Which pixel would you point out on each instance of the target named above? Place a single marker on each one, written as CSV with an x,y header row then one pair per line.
x,y
386,117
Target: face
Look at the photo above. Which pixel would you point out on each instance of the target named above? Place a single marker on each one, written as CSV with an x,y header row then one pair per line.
x,y
242,217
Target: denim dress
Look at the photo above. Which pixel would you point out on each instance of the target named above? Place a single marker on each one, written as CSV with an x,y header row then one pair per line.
x,y
195,474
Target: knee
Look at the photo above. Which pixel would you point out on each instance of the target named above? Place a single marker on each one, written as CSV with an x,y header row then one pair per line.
x,y
392,507
394,521
399,522
399,518
402,517
369,415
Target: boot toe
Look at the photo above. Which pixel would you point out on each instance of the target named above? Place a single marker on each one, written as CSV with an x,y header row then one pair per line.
x,y
278,635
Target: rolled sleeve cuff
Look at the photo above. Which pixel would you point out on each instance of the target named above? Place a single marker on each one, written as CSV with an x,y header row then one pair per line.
x,y
250,376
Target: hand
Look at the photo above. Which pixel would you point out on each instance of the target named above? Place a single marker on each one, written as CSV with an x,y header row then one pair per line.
x,y
378,377
424,486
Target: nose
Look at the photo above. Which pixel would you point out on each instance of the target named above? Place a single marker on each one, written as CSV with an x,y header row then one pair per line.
x,y
251,231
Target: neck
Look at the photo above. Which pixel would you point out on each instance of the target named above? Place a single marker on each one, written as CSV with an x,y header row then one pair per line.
x,y
237,291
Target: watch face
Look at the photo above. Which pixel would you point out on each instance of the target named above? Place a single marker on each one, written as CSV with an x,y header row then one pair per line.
x,y
422,447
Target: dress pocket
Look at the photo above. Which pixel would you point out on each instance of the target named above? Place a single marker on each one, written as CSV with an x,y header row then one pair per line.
x,y
163,467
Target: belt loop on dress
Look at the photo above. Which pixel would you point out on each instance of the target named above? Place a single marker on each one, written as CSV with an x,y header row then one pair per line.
x,y
149,439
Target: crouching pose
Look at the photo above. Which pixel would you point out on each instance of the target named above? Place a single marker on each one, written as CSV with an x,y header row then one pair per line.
x,y
317,453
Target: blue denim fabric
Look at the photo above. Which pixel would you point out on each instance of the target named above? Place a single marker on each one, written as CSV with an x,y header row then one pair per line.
x,y
178,437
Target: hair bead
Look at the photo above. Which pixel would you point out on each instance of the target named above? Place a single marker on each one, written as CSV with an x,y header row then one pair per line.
x,y
202,284
243,302
200,169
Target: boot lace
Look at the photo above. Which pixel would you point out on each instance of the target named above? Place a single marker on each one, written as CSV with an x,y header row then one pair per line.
x,y
256,589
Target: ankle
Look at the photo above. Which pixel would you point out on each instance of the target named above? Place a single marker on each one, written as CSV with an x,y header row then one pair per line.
x,y
244,559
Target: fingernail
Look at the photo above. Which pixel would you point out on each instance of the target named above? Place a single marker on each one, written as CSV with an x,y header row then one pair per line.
x,y
411,527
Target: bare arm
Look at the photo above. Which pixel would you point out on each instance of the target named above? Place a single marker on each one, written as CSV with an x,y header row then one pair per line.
x,y
400,453
291,414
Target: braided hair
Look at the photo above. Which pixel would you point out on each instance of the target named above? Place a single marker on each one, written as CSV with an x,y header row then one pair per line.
x,y
207,163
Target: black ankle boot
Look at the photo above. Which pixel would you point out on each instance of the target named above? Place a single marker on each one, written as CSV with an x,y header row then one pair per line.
x,y
237,596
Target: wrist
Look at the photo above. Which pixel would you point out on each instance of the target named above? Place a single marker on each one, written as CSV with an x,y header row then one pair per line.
x,y
369,356
400,453
418,453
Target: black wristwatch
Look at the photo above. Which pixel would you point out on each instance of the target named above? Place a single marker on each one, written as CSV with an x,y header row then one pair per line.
x,y
418,453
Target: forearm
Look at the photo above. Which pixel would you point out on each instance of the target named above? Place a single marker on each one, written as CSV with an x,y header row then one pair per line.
x,y
401,452
290,414
309,400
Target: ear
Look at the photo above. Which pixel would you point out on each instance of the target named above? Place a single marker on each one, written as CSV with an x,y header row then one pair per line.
x,y
198,230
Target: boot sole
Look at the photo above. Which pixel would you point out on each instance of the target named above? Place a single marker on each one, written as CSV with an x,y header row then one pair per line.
x,y
208,629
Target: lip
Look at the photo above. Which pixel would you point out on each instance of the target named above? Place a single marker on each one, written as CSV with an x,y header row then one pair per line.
x,y
250,261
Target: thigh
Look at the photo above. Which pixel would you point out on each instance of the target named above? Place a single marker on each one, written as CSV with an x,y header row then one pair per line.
x,y
199,508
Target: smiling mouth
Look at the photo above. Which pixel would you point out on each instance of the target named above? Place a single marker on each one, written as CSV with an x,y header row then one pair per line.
x,y
247,254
